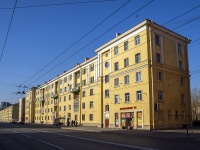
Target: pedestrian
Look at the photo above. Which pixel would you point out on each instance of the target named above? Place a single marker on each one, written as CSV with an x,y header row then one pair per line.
x,y
72,122
76,123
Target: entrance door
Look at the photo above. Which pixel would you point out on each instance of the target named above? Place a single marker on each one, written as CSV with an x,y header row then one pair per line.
x,y
139,119
106,123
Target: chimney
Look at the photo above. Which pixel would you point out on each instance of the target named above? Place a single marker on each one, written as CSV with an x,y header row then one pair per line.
x,y
118,34
86,59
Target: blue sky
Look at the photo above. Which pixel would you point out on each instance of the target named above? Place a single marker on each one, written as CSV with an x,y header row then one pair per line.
x,y
39,34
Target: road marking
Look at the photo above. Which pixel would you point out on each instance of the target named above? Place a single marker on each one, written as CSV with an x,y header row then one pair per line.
x,y
27,136
80,129
39,130
49,144
111,143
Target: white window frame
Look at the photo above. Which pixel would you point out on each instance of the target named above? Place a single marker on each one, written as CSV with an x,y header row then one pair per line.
x,y
127,97
139,95
137,40
116,99
115,50
138,76
126,80
137,58
116,82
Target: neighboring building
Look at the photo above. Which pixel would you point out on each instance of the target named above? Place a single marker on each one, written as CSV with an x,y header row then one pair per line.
x,y
4,105
9,113
140,79
22,110
30,106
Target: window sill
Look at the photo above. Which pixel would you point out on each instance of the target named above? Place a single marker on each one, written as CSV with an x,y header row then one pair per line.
x,y
126,84
138,81
127,102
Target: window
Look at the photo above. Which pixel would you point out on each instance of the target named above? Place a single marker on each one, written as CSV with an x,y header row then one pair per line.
x,y
65,79
76,105
126,62
91,92
92,79
92,67
138,76
70,87
84,82
60,99
180,65
176,115
65,89
137,40
64,98
106,64
91,104
78,75
83,117
138,95
157,40
70,77
116,50
126,79
126,45
137,58
84,71
116,82
182,98
60,108
70,107
64,108
116,66
116,99
160,95
106,107
180,48
69,97
157,57
83,94
182,81
83,105
90,117
159,76
107,93
106,78
127,97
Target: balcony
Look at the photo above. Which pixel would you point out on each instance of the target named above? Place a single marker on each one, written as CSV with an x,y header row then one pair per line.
x,y
55,96
41,100
75,90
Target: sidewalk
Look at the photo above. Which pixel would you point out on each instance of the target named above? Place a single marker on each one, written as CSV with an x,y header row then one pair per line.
x,y
180,133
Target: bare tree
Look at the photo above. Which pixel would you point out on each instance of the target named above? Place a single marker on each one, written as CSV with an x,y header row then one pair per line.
x,y
195,104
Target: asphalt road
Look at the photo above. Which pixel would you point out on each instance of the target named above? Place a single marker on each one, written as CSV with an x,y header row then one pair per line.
x,y
27,137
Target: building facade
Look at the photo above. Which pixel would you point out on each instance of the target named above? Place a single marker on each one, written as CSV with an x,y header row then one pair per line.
x,y
9,113
30,106
4,105
139,80
22,110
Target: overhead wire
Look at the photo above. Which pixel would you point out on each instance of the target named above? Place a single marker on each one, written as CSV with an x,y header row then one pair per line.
x,y
94,40
59,4
78,40
4,45
112,28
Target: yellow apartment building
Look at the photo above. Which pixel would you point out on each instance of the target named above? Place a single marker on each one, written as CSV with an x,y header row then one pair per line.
x,y
9,113
30,106
138,80
21,110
